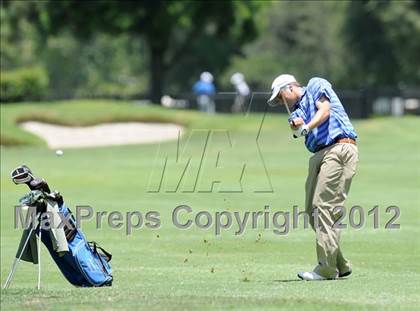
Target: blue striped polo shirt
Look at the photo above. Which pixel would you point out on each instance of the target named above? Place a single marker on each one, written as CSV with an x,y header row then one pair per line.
x,y
336,126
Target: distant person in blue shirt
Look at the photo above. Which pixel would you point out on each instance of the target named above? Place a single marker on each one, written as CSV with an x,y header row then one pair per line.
x,y
318,115
204,90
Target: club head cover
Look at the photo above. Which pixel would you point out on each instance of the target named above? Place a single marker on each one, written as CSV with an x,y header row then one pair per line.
x,y
21,175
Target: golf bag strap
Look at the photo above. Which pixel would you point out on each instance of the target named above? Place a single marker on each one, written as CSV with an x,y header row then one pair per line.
x,y
96,246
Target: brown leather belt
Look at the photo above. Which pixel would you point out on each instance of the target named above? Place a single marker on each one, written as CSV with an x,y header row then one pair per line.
x,y
338,141
345,141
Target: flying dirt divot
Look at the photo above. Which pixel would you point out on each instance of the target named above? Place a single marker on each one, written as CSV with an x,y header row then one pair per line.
x,y
107,134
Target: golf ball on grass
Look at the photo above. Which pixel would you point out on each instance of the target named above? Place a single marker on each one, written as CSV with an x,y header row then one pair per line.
x,y
59,153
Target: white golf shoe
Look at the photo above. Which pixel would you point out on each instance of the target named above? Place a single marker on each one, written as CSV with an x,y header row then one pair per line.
x,y
311,276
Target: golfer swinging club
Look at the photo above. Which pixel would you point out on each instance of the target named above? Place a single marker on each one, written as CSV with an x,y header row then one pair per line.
x,y
318,114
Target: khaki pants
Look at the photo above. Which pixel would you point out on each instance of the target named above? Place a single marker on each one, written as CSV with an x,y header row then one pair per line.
x,y
330,173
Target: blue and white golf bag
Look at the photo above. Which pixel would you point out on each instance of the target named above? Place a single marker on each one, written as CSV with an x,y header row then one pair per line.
x,y
83,263
86,264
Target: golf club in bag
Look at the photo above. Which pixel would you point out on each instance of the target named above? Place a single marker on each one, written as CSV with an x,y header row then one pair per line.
x,y
83,263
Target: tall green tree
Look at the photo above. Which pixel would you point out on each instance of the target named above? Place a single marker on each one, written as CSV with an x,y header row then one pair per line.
x,y
382,36
300,37
104,65
168,28
21,33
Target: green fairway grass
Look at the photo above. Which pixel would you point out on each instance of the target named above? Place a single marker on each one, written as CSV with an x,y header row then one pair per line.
x,y
170,268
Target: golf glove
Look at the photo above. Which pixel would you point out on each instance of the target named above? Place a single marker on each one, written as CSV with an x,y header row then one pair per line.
x,y
303,130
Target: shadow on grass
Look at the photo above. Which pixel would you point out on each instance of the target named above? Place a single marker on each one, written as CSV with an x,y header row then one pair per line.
x,y
299,280
287,280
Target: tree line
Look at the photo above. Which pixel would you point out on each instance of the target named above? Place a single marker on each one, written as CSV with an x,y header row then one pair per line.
x,y
148,48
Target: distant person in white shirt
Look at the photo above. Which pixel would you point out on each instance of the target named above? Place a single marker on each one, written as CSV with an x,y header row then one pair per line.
x,y
242,92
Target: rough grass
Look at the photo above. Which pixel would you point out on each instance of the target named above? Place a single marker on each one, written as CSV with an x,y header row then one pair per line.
x,y
193,269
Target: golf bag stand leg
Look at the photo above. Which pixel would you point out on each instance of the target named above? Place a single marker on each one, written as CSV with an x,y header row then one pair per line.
x,y
16,262
39,257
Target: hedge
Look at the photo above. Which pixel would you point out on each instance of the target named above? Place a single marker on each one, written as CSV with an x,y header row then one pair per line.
x,y
23,84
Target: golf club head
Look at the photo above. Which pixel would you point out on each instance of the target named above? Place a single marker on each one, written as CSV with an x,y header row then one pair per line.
x,y
21,175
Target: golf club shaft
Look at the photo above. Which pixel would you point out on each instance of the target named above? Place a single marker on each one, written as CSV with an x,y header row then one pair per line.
x,y
288,111
286,105
287,108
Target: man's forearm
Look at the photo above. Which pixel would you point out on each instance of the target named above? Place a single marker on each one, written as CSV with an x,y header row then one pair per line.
x,y
321,115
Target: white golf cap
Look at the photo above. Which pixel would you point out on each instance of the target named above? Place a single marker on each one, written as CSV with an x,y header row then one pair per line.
x,y
278,83
206,77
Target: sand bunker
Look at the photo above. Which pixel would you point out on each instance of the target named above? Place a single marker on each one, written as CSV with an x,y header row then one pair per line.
x,y
108,134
